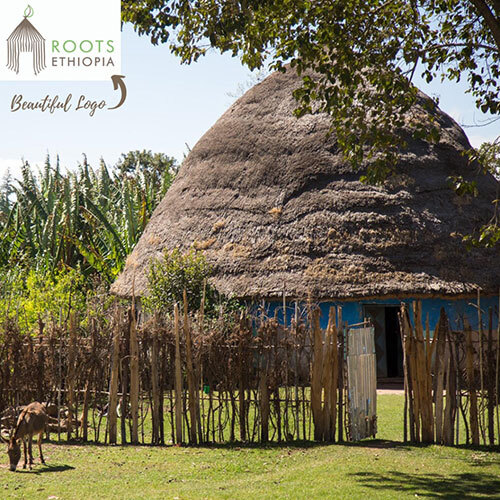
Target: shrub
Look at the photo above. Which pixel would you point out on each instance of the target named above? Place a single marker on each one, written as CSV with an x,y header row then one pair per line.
x,y
175,272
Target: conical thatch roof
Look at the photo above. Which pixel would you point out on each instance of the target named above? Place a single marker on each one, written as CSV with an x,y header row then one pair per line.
x,y
275,208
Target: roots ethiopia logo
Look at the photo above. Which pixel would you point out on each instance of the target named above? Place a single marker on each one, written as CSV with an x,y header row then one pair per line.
x,y
84,42
26,38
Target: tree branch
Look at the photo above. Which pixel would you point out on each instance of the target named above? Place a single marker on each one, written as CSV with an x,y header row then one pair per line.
x,y
464,44
489,18
496,6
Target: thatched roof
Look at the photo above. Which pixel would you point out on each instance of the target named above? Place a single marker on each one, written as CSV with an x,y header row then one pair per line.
x,y
276,209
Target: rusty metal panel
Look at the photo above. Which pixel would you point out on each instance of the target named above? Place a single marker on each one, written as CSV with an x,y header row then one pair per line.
x,y
362,383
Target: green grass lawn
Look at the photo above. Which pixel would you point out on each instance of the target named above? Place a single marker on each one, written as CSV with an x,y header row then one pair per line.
x,y
382,468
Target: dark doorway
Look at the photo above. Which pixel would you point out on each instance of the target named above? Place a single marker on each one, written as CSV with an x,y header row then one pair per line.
x,y
387,340
393,343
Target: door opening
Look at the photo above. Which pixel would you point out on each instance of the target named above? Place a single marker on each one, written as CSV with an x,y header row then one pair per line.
x,y
387,340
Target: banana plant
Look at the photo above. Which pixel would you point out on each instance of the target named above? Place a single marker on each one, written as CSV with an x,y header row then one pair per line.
x,y
88,219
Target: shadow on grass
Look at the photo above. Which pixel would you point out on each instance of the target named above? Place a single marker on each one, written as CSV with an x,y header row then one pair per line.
x,y
368,443
385,444
464,485
46,468
228,446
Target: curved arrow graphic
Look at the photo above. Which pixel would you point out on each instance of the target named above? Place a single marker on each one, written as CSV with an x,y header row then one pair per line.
x,y
118,82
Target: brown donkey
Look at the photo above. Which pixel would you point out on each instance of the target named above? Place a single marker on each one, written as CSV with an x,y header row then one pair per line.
x,y
32,420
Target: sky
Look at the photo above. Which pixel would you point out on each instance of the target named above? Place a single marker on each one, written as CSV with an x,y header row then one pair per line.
x,y
168,108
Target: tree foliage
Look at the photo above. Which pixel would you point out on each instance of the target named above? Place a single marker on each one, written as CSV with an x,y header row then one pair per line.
x,y
357,58
488,235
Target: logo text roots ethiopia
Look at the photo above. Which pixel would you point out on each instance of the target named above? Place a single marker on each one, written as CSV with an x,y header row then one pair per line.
x,y
62,53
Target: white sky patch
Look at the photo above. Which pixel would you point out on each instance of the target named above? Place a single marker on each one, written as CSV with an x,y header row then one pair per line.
x,y
14,166
456,114
476,139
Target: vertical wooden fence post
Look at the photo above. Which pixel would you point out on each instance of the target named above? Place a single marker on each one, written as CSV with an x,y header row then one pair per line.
x,y
451,393
341,356
155,387
440,339
178,379
263,384
85,408
134,376
469,356
316,374
497,372
481,366
113,384
71,376
241,390
490,377
193,396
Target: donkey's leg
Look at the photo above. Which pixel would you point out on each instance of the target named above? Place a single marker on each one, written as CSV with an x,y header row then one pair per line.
x,y
30,442
40,447
25,454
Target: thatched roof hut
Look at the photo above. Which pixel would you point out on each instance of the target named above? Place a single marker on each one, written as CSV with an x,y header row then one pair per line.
x,y
276,209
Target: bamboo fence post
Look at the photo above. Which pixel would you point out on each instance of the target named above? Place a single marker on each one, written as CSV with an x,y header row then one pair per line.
x,y
497,371
316,375
85,411
193,398
326,378
481,364
424,377
264,402
58,387
491,381
414,370
71,374
406,333
405,378
341,356
241,390
40,361
473,415
134,376
338,365
286,336
427,351
458,395
199,373
124,371
178,379
296,368
155,413
113,385
451,393
264,388
333,373
439,335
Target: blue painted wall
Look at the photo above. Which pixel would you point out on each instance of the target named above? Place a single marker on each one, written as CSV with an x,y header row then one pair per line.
x,y
352,312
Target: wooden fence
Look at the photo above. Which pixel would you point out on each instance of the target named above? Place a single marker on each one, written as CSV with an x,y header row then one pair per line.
x,y
180,378
183,378
451,381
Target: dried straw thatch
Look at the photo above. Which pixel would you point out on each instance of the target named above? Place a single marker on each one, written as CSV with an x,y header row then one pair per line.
x,y
276,209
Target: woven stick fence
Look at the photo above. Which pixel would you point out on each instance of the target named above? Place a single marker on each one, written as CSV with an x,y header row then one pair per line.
x,y
451,381
179,378
184,379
